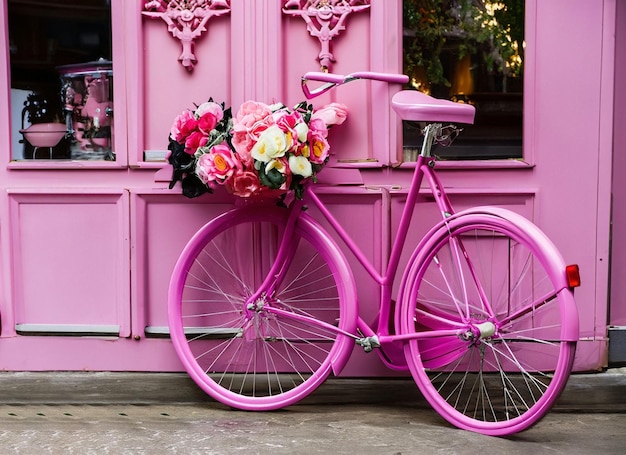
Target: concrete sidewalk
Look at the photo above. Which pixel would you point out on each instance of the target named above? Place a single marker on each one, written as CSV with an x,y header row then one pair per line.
x,y
595,392
141,413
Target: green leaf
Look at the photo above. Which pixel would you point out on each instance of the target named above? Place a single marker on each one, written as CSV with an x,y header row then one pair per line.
x,y
272,179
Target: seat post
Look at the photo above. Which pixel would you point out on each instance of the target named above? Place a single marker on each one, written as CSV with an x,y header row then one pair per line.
x,y
430,133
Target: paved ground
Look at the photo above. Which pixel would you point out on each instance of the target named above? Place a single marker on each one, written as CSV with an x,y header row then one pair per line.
x,y
127,413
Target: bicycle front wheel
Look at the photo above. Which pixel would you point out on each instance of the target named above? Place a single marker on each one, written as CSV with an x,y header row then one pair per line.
x,y
498,285
239,351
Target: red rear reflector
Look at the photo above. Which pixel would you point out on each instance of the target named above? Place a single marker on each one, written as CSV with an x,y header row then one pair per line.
x,y
573,275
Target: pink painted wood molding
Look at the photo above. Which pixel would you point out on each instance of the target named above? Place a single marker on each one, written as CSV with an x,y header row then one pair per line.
x,y
186,20
324,20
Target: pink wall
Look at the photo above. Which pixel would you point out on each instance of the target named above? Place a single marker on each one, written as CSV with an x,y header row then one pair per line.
x,y
89,245
571,138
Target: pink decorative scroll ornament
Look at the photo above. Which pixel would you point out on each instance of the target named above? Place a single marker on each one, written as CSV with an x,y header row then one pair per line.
x,y
324,20
186,20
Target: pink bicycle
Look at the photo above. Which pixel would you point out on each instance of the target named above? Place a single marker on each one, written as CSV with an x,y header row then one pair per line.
x,y
263,304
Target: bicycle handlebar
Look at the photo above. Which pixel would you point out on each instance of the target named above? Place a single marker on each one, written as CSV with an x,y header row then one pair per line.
x,y
331,80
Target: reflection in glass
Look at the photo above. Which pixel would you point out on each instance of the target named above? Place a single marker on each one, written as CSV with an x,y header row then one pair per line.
x,y
469,51
61,79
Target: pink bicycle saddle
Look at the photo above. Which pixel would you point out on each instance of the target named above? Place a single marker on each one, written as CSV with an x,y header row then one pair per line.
x,y
419,107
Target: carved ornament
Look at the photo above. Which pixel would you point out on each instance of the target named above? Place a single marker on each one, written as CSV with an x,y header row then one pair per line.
x,y
186,20
324,20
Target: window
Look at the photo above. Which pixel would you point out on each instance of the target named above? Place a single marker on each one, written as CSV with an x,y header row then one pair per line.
x,y
470,51
61,79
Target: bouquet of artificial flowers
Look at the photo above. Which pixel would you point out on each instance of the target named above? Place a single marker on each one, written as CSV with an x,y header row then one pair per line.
x,y
264,150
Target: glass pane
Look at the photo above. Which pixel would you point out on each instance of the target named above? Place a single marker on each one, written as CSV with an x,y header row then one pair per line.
x,y
470,51
61,79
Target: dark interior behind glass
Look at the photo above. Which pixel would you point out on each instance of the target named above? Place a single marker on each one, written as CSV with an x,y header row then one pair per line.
x,y
470,51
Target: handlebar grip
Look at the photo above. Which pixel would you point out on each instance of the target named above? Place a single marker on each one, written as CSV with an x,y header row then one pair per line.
x,y
323,77
331,80
391,78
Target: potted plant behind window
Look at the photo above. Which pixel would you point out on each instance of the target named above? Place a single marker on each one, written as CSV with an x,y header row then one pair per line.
x,y
469,51
488,32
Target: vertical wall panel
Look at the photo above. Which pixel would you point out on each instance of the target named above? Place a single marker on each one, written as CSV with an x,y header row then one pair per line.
x,y
168,88
70,259
162,225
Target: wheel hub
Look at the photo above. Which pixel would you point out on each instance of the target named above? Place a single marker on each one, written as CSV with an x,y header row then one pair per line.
x,y
481,331
486,329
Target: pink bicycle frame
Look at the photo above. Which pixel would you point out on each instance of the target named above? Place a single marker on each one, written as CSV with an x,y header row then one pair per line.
x,y
392,353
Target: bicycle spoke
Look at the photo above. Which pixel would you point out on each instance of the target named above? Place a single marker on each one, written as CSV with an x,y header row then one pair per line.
x,y
258,354
510,364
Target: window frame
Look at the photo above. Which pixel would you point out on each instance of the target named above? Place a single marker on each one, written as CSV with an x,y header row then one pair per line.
x,y
527,159
119,48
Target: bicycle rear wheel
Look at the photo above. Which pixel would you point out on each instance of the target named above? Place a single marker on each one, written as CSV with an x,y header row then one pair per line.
x,y
503,286
239,351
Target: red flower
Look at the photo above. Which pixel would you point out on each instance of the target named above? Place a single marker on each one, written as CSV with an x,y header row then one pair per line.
x,y
207,122
244,183
194,141
183,126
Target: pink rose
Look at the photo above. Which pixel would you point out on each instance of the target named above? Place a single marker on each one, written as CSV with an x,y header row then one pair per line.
x,y
251,120
208,115
194,141
318,148
212,108
250,113
183,126
244,183
332,114
218,165
318,127
244,141
287,121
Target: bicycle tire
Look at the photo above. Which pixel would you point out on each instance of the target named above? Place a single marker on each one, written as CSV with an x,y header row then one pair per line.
x,y
257,360
496,383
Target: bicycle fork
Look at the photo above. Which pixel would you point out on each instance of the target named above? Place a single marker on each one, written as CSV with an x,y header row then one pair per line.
x,y
260,307
258,300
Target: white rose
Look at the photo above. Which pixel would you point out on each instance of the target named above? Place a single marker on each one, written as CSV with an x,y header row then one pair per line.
x,y
272,144
275,164
299,165
302,130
